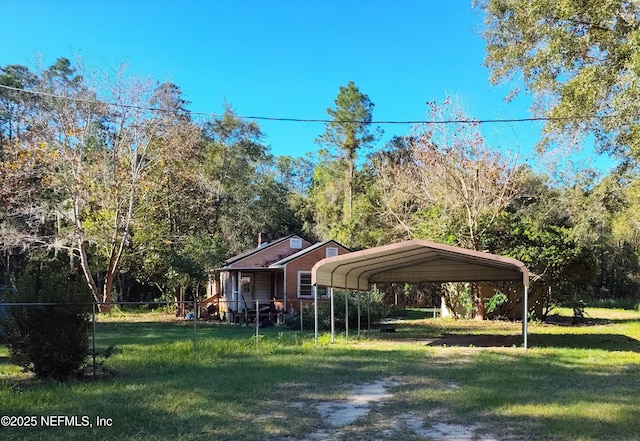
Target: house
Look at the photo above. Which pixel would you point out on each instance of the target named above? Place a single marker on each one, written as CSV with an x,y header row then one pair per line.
x,y
276,274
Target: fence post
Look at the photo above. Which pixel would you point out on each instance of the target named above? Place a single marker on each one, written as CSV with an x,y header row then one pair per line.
x,y
301,318
257,322
93,335
195,323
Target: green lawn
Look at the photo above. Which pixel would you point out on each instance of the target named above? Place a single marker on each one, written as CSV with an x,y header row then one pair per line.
x,y
574,383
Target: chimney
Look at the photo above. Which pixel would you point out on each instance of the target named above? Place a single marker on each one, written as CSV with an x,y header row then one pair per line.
x,y
263,239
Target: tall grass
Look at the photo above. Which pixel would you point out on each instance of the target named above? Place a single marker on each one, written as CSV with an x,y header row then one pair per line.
x,y
574,383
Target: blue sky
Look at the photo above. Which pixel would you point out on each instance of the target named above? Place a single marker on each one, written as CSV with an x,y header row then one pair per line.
x,y
282,58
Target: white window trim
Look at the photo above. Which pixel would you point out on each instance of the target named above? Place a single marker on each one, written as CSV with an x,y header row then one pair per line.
x,y
300,274
295,243
252,282
334,252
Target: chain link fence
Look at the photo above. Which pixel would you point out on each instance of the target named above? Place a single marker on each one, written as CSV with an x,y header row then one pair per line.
x,y
257,314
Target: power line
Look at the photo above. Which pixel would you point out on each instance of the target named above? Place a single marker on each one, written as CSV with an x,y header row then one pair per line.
x,y
309,120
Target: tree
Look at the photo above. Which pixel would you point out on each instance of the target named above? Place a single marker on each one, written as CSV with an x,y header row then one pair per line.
x,y
173,209
607,220
444,183
15,105
542,228
580,61
348,132
107,153
326,195
295,174
396,208
85,163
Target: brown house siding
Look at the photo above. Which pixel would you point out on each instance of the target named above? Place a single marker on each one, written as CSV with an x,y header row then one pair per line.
x,y
305,263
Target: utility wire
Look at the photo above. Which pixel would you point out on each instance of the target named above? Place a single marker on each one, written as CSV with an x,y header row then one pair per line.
x,y
307,120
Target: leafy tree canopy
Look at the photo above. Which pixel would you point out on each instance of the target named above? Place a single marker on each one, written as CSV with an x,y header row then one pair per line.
x,y
580,59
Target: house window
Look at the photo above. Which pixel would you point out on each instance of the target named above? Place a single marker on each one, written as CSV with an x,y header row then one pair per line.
x,y
295,243
331,252
246,286
305,288
304,284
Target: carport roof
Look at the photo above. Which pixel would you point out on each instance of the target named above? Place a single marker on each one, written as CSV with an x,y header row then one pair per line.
x,y
415,261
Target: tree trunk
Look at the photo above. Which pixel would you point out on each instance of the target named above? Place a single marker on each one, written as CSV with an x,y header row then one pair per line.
x,y
180,302
479,309
84,264
106,294
348,206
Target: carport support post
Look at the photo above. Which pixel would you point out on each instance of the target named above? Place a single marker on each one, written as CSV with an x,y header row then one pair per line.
x,y
346,314
525,316
315,313
369,312
358,294
333,319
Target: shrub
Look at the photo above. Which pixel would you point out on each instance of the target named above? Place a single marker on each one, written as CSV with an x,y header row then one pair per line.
x,y
51,341
376,312
493,302
7,295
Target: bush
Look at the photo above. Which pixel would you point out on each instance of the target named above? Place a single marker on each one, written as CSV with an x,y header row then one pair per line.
x,y
51,341
376,312
7,295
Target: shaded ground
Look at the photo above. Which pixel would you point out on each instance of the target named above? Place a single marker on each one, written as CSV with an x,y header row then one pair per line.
x,y
481,341
506,334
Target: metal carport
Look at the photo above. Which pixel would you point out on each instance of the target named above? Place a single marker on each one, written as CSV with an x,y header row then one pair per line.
x,y
418,261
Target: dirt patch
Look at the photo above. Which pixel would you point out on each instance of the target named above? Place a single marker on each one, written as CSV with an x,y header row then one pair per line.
x,y
454,432
357,404
342,418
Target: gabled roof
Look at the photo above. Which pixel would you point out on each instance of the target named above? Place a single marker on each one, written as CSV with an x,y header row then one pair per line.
x,y
268,245
415,261
304,251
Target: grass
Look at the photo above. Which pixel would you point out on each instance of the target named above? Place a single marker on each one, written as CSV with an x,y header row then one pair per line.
x,y
574,383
